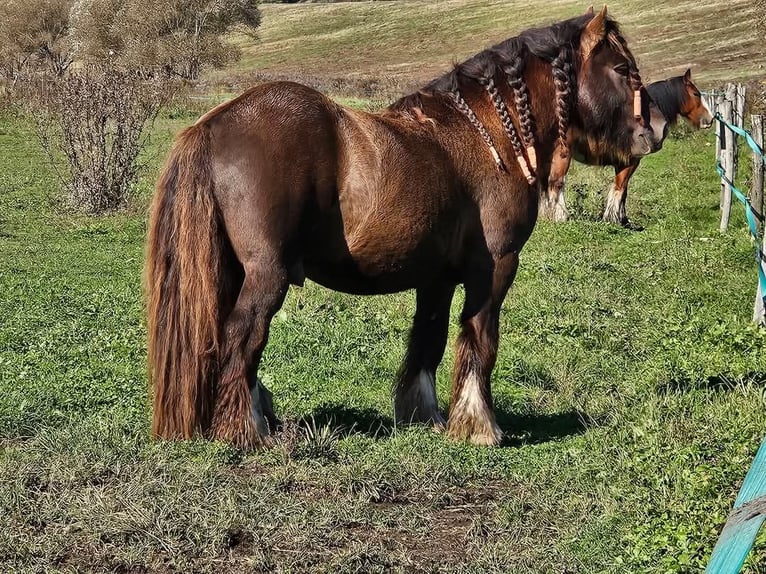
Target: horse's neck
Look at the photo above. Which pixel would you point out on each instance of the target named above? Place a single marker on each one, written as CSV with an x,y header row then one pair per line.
x,y
668,96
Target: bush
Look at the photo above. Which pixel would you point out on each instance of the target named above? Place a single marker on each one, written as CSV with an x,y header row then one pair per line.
x,y
180,36
93,123
95,73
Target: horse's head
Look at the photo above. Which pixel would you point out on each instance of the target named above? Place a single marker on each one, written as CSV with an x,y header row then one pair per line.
x,y
612,104
693,107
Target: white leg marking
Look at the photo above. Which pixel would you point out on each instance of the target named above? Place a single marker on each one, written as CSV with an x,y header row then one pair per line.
x,y
255,409
561,213
614,211
473,414
419,404
471,403
425,386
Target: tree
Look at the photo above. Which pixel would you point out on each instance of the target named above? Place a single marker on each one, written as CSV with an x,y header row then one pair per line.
x,y
180,36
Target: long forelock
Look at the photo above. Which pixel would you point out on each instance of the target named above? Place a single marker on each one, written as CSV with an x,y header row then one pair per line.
x,y
620,45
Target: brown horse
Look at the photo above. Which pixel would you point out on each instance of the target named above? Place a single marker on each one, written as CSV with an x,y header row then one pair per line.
x,y
282,183
677,96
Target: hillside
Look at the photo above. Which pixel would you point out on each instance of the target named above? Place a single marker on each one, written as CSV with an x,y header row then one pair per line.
x,y
400,43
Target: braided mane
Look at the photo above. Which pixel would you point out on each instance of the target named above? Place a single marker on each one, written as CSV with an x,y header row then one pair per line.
x,y
556,44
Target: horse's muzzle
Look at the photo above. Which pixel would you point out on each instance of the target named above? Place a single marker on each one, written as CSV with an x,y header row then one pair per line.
x,y
646,142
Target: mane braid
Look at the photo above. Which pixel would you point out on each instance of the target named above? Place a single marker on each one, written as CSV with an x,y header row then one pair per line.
x,y
510,129
562,81
554,44
514,76
476,123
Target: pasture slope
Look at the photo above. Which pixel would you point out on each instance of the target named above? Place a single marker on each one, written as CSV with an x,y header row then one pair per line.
x,y
630,381
407,42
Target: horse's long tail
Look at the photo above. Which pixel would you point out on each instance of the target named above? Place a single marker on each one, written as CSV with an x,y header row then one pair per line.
x,y
184,274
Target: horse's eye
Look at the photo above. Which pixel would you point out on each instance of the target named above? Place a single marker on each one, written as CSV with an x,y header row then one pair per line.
x,y
622,69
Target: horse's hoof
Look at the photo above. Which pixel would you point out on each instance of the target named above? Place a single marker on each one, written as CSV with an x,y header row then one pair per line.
x,y
561,216
479,434
243,436
436,421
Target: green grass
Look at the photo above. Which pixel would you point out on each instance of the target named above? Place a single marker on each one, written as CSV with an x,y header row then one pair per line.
x,y
406,41
630,382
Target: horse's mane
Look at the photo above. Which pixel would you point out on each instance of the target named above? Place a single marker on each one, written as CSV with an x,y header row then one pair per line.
x,y
665,93
555,44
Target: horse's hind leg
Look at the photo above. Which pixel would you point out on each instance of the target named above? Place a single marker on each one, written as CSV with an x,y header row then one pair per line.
x,y
415,392
471,415
242,411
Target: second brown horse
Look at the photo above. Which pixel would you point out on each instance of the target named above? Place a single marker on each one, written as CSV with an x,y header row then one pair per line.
x,y
674,97
440,189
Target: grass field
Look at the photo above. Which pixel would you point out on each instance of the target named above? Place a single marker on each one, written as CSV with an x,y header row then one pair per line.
x,y
630,381
410,41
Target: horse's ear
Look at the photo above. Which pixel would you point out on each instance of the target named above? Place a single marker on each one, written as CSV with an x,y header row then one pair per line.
x,y
589,11
688,75
594,33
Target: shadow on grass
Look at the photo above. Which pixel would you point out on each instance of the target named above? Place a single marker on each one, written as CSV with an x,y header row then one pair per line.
x,y
717,383
351,420
519,429
539,428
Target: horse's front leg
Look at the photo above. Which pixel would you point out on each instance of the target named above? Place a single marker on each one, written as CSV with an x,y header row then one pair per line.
x,y
471,415
415,391
552,204
616,204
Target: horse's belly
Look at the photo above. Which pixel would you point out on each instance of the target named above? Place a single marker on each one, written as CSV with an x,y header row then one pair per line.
x,y
381,259
349,279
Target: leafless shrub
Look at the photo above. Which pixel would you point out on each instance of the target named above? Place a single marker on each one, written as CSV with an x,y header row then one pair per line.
x,y
93,124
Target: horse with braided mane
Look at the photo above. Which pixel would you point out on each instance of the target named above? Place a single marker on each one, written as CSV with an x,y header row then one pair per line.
x,y
441,188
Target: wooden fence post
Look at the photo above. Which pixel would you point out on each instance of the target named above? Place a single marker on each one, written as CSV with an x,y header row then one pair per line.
x,y
739,120
728,149
757,201
756,188
719,127
741,92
